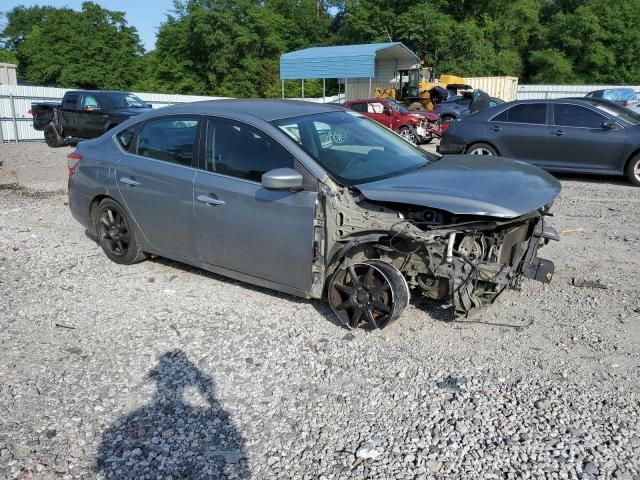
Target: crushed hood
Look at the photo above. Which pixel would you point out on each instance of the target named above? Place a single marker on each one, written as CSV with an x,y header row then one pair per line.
x,y
470,185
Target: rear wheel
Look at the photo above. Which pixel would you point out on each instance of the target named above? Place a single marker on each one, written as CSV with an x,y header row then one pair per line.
x,y
633,170
116,234
370,295
52,137
482,149
409,133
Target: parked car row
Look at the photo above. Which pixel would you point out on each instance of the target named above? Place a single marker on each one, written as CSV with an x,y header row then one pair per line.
x,y
586,135
416,126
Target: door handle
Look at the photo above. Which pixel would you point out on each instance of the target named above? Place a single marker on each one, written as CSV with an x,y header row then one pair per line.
x,y
130,181
495,128
209,200
557,133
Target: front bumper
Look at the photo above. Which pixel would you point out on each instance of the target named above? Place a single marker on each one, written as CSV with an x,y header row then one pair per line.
x,y
448,148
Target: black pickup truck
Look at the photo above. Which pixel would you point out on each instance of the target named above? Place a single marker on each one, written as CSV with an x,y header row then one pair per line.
x,y
84,114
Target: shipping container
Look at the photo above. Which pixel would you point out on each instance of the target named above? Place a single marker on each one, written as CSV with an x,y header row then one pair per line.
x,y
505,88
8,74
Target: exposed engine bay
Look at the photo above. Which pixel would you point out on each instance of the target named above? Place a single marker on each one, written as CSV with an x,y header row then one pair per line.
x,y
465,260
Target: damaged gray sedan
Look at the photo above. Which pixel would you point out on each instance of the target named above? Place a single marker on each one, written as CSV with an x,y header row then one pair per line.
x,y
316,201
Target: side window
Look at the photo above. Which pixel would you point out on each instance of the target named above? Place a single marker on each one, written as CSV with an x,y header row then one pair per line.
x,y
359,107
375,107
169,139
126,136
71,101
89,102
533,113
576,116
241,151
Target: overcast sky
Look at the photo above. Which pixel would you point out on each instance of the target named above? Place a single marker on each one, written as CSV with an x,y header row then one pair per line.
x,y
145,15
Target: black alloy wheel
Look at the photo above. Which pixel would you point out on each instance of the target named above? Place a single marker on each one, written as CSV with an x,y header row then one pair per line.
x,y
369,295
116,235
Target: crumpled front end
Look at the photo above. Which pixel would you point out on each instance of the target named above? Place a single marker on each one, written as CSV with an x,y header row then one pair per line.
x,y
479,266
464,260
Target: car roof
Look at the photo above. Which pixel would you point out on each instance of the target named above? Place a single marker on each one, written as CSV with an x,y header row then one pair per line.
x,y
264,109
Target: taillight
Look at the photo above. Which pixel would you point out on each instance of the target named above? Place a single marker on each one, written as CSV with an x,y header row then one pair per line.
x,y
72,161
29,112
444,127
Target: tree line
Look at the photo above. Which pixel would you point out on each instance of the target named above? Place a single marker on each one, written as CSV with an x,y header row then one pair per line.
x,y
232,47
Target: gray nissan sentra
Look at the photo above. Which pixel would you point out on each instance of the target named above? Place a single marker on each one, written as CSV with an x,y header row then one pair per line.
x,y
316,201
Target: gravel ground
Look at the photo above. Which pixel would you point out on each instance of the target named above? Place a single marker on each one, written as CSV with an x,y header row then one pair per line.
x,y
161,370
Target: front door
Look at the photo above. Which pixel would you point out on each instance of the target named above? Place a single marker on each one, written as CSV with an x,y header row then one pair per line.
x,y
240,225
578,140
382,115
90,121
156,183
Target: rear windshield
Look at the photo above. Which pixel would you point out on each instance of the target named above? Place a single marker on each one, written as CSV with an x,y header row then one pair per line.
x,y
119,101
623,115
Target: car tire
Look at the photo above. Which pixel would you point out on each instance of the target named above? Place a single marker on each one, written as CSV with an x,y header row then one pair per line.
x,y
377,297
409,133
633,170
117,234
52,137
481,149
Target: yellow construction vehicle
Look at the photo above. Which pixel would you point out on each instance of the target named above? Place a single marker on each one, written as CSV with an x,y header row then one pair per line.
x,y
416,88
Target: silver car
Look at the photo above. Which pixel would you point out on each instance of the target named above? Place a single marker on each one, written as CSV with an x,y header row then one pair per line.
x,y
316,201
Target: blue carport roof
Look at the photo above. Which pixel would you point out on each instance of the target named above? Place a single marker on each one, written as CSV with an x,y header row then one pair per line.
x,y
343,61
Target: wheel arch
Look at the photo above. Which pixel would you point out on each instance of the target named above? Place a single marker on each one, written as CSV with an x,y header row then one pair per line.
x,y
93,208
475,142
630,157
343,247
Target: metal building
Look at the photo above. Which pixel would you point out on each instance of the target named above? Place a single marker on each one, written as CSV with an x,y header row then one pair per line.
x,y
360,68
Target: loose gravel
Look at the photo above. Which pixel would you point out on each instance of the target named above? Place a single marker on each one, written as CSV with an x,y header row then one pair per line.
x,y
159,370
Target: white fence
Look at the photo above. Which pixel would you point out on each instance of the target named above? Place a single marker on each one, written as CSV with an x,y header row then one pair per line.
x,y
537,92
16,124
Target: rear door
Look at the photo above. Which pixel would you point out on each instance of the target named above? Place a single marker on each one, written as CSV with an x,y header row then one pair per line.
x,y
156,182
241,226
70,111
521,132
578,140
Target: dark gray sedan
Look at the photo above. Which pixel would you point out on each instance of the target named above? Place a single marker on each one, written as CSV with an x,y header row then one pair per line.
x,y
566,135
313,200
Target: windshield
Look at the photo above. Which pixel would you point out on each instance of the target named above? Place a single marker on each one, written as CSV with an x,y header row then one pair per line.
x,y
352,148
126,100
621,114
398,107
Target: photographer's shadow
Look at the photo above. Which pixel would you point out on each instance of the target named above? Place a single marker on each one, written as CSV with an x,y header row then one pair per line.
x,y
183,433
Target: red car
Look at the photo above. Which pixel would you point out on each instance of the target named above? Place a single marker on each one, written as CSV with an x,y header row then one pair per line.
x,y
417,127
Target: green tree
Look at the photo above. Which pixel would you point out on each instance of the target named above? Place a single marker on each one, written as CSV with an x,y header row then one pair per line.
x,y
93,48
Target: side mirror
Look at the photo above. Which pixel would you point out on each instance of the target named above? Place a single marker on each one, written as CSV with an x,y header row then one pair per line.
x,y
282,179
609,125
94,109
